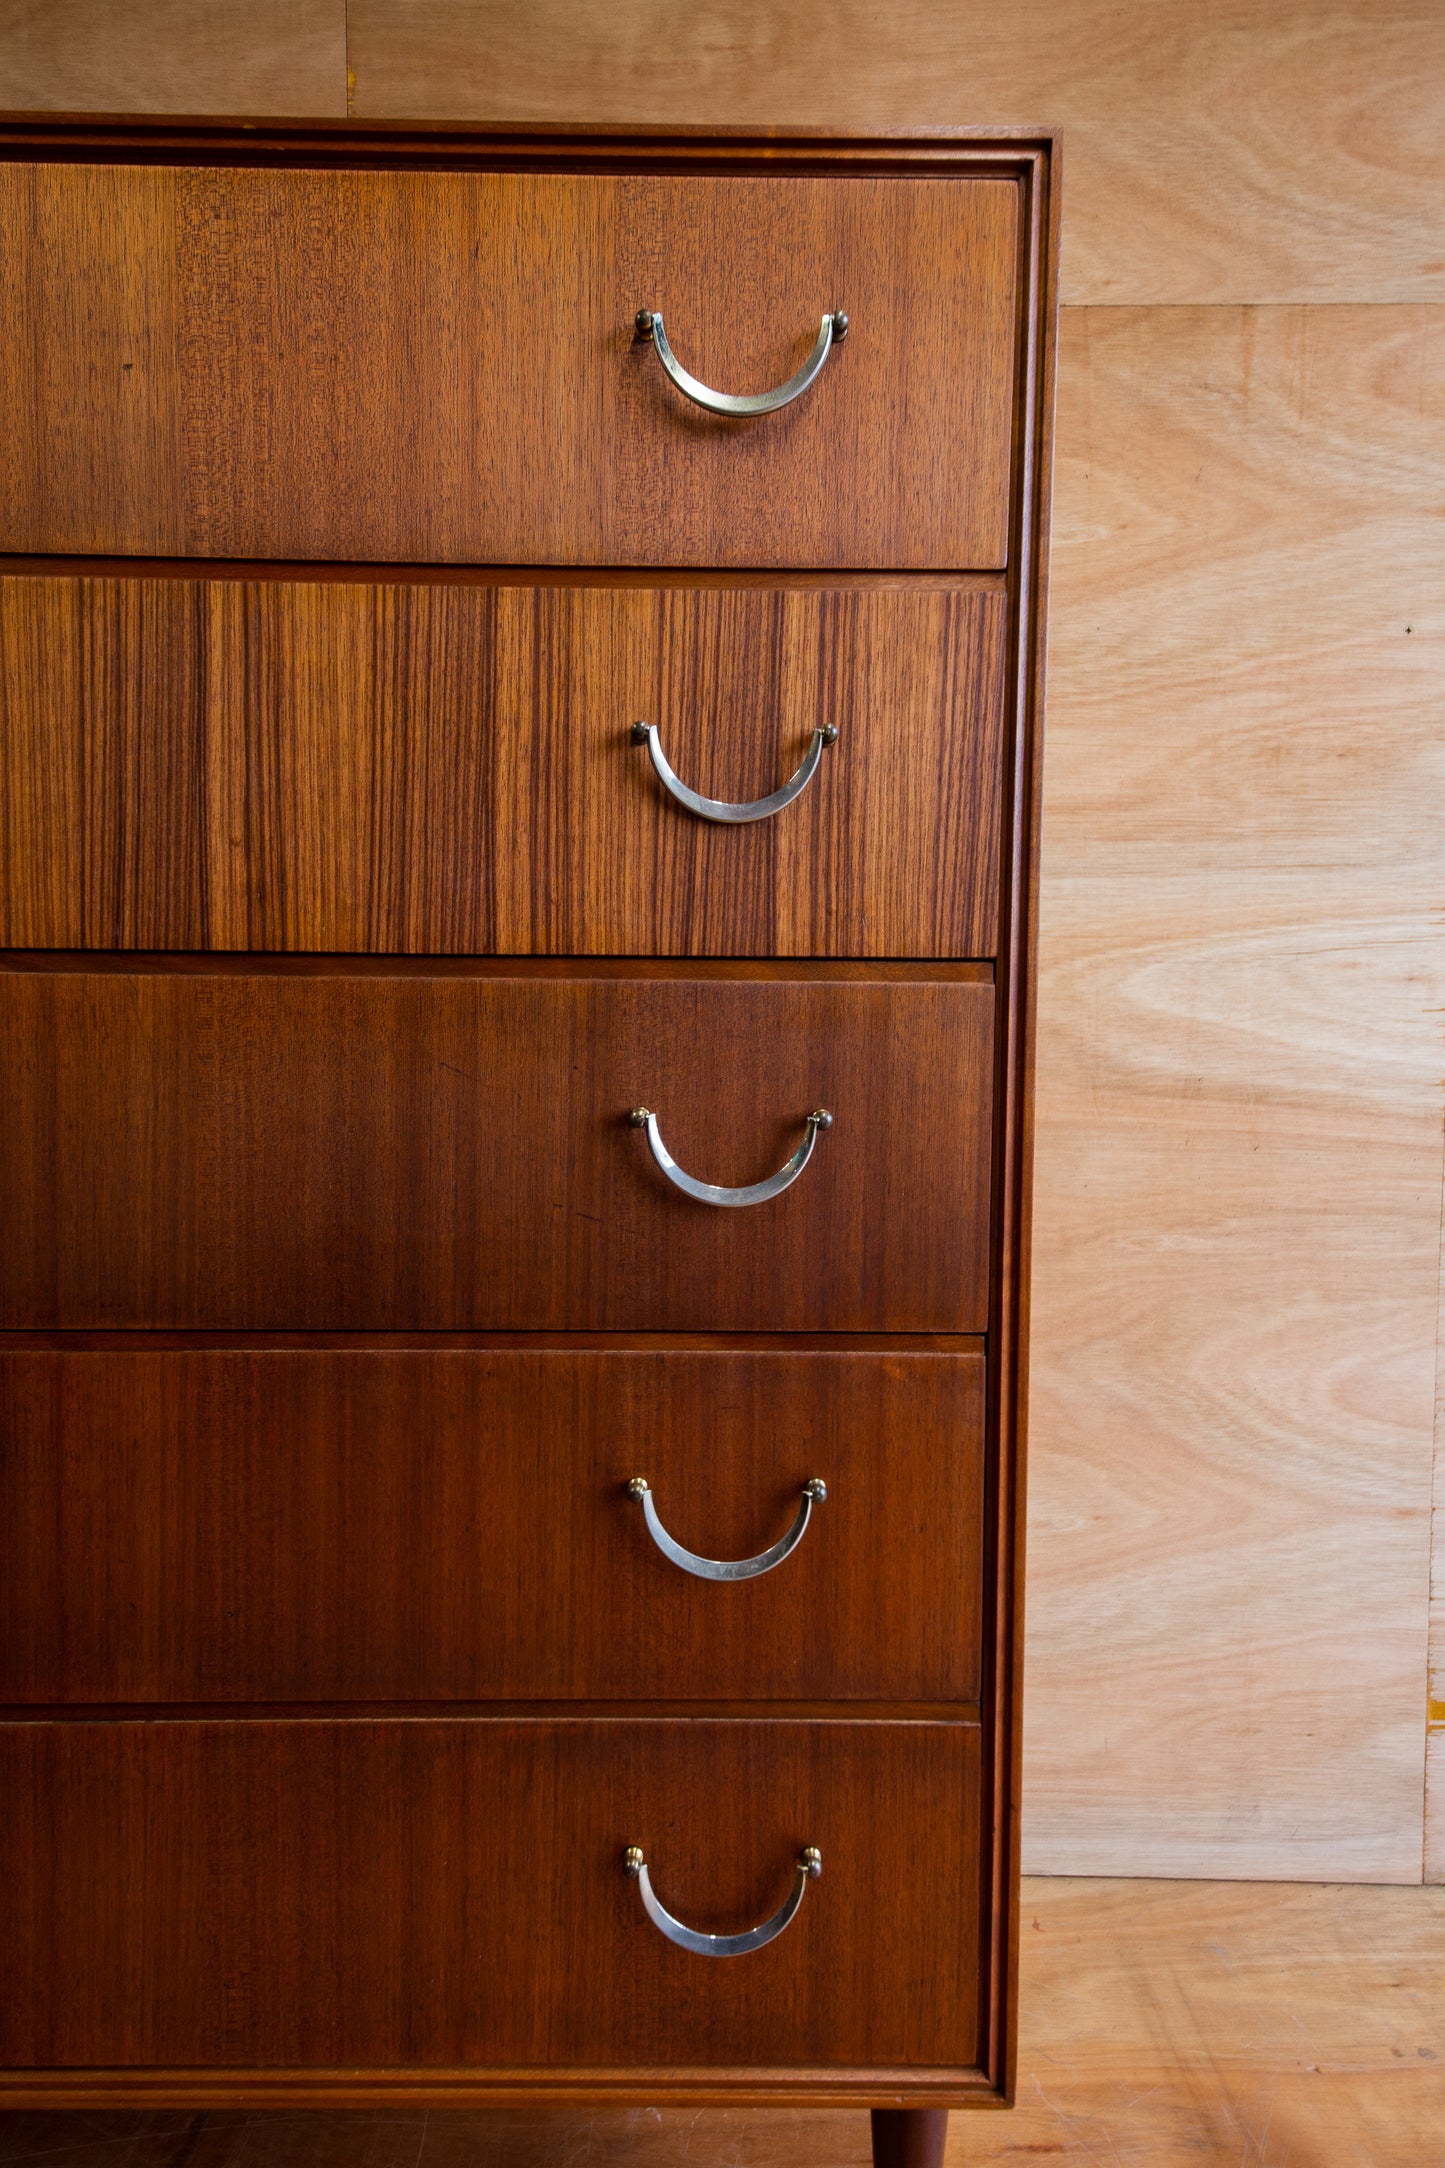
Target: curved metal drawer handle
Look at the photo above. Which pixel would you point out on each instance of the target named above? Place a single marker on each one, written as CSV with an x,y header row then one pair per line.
x,y
815,1490
809,1866
833,332
713,1192
721,809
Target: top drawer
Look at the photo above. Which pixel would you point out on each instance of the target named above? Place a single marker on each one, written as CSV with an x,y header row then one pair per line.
x,y
444,367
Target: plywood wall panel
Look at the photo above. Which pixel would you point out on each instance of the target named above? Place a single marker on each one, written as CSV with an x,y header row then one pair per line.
x,y
1239,1152
1244,150
173,56
1205,2025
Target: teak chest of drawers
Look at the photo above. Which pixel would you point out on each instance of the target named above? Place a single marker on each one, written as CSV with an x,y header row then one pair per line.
x,y
517,886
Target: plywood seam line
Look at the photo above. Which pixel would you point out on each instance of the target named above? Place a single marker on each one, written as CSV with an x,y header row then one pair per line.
x,y
1432,1844
1236,308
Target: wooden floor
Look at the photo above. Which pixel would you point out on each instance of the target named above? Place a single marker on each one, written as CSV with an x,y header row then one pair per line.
x,y
1265,2024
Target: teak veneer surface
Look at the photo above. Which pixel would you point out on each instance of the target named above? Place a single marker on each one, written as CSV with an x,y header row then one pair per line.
x,y
441,1893
404,1525
244,362
377,1149
448,766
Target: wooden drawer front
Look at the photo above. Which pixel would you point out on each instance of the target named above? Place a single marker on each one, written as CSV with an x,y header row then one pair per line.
x,y
444,366
447,768
373,1894
311,1148
294,1526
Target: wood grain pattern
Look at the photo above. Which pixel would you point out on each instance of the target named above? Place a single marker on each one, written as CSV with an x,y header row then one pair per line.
x,y
1239,1160
447,767
1171,2025
88,333
436,1894
339,353
383,1150
173,56
414,1526
1216,153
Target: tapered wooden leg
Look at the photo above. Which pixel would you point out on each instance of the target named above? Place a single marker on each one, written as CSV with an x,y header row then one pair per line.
x,y
909,2137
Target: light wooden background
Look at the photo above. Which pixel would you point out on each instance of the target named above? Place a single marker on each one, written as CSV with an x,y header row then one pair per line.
x,y
1240,1145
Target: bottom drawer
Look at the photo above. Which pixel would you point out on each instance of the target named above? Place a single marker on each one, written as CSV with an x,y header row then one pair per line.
x,y
394,1894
